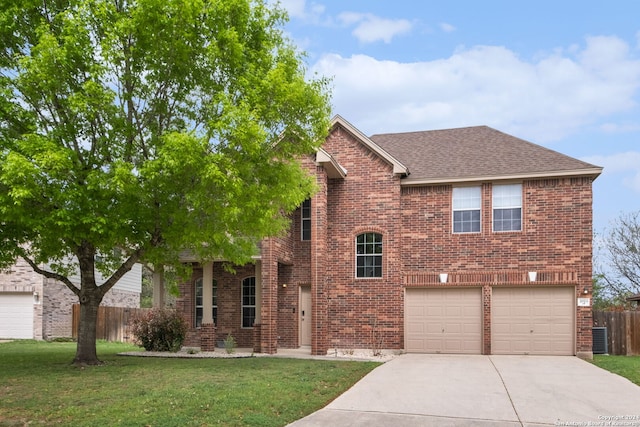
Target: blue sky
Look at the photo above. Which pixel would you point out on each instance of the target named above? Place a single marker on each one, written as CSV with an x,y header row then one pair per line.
x,y
562,74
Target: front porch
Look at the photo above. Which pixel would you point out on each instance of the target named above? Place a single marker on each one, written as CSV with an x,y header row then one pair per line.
x,y
257,304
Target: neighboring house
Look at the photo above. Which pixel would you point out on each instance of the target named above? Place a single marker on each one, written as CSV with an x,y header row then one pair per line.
x,y
450,241
34,307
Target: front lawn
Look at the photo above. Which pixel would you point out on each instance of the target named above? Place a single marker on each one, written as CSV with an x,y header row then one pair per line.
x,y
625,366
39,386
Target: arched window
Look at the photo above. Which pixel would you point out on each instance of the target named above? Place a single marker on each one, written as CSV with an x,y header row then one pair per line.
x,y
369,255
248,302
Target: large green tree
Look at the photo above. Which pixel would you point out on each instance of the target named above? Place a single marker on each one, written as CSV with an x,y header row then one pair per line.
x,y
618,267
136,129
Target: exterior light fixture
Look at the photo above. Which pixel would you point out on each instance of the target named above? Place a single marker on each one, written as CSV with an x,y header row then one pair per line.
x,y
443,277
585,290
284,285
533,275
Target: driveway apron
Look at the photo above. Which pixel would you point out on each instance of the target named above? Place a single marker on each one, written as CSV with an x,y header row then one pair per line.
x,y
456,390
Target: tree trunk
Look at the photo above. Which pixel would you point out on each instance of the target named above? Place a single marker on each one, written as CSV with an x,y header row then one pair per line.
x,y
90,298
86,353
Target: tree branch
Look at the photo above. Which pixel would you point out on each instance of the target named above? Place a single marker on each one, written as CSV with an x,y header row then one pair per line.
x,y
52,275
121,271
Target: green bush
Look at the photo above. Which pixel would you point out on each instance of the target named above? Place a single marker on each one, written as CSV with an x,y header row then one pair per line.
x,y
160,329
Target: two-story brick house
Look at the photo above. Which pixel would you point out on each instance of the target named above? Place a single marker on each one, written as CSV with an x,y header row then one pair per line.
x,y
451,241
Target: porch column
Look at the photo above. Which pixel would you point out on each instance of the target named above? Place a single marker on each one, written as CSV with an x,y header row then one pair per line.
x,y
258,320
158,286
208,329
269,299
319,316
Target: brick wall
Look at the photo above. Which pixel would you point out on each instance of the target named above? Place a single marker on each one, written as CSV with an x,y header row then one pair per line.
x,y
57,307
556,235
53,311
360,311
416,225
229,304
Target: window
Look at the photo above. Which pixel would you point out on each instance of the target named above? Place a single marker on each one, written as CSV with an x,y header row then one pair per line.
x,y
199,302
369,255
214,301
248,302
507,207
466,209
306,220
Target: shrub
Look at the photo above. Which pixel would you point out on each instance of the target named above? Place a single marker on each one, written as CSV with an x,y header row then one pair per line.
x,y
230,344
160,329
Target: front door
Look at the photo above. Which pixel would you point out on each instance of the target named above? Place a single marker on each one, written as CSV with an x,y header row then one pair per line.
x,y
305,315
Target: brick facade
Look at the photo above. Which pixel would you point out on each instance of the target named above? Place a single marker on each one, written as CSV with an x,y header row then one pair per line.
x,y
53,301
418,244
58,305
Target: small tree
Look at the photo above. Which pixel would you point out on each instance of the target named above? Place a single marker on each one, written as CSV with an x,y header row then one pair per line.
x,y
618,272
137,129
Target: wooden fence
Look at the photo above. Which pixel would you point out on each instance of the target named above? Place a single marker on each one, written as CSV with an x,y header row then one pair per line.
x,y
623,330
114,323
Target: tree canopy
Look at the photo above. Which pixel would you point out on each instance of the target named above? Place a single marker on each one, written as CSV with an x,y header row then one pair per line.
x,y
136,129
618,268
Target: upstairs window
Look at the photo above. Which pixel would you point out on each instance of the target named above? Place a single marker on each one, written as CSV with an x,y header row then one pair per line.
x,y
199,302
248,302
507,207
305,222
466,209
369,255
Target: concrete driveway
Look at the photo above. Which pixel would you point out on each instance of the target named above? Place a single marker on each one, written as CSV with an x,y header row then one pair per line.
x,y
452,390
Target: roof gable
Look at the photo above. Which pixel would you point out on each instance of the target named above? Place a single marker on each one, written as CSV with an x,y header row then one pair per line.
x,y
398,167
474,154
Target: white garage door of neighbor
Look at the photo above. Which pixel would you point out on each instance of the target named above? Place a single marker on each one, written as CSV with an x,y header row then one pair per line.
x,y
533,321
16,315
443,320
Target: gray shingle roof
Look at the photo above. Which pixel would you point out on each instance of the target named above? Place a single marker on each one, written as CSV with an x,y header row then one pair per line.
x,y
476,153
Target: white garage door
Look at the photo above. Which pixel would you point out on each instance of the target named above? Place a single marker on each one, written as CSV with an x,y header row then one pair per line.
x,y
533,321
443,320
16,315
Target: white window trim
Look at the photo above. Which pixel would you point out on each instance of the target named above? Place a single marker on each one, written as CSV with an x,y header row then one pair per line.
x,y
242,304
381,255
454,210
195,302
201,306
493,207
303,219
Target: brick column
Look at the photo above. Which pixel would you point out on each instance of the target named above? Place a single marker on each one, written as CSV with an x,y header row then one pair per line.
x,y
257,337
319,320
208,337
269,299
486,319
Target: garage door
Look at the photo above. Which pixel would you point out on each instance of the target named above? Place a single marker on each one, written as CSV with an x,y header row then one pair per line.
x,y
443,320
16,315
533,321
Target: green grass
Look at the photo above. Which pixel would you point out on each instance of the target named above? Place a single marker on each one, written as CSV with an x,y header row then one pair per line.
x,y
626,366
39,386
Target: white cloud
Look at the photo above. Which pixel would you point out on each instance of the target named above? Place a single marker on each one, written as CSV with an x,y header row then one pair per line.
x,y
299,9
447,28
616,163
624,127
542,99
295,8
371,28
627,164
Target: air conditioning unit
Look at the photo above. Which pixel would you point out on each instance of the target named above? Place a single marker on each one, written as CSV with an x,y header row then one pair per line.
x,y
600,345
